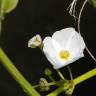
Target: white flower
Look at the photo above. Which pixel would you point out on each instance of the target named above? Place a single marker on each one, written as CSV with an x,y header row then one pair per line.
x,y
35,41
64,47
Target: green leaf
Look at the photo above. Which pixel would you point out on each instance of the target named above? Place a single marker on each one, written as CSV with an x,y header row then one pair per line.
x,y
93,2
8,5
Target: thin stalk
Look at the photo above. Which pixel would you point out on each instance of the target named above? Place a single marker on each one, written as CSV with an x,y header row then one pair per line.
x,y
76,81
25,85
80,15
51,78
2,5
0,26
70,72
49,84
60,74
79,19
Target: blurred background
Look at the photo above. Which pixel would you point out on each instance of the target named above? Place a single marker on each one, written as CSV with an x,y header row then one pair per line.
x,y
44,17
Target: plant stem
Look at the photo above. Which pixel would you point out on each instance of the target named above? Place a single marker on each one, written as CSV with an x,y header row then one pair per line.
x,y
85,76
49,84
51,78
79,20
26,86
56,92
60,74
70,73
0,26
76,81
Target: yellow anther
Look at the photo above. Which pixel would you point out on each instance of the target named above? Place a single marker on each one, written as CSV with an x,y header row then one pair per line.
x,y
64,54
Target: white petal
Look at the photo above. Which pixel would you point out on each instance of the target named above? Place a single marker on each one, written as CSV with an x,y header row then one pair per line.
x,y
63,36
49,50
51,53
56,45
76,45
60,64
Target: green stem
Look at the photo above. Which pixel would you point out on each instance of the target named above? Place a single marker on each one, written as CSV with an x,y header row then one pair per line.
x,y
49,84
0,26
70,72
60,74
26,86
85,76
56,92
76,81
51,78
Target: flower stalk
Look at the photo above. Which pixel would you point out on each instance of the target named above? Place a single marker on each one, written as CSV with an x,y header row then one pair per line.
x,y
60,74
70,72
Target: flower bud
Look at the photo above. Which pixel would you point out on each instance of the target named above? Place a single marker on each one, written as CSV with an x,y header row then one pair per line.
x,y
48,72
35,41
44,86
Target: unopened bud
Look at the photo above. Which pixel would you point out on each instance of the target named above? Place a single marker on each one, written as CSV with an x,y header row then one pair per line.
x,y
44,86
35,41
48,72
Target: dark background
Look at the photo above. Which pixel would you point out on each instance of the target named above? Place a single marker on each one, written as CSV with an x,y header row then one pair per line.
x,y
44,17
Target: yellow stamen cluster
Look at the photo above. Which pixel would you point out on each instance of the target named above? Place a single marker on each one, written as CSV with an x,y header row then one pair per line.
x,y
64,54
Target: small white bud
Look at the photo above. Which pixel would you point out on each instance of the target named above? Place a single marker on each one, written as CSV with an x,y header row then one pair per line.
x,y
35,41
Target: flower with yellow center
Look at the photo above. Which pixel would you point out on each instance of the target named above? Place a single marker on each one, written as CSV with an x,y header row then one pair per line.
x,y
64,47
